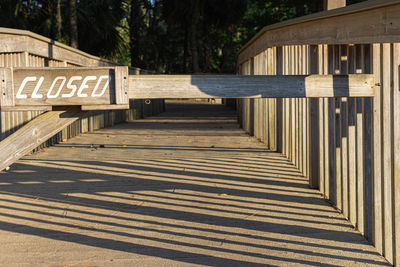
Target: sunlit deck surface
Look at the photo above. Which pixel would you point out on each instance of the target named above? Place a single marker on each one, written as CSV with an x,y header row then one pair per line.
x,y
187,187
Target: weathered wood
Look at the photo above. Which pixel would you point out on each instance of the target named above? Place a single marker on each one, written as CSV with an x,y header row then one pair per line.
x,y
296,132
42,52
387,164
338,153
368,172
358,68
301,134
362,175
33,87
34,133
345,156
104,107
235,86
314,124
396,151
377,150
323,68
251,103
67,86
346,65
332,150
26,108
352,158
6,88
13,40
121,85
368,151
326,146
305,117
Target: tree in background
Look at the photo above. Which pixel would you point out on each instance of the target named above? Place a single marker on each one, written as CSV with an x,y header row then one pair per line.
x,y
98,23
73,23
208,29
38,16
166,36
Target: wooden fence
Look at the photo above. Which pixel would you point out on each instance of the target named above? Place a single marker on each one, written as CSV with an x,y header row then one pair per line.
x,y
349,148
20,48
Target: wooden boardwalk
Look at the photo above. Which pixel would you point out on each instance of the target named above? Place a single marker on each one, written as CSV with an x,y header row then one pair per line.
x,y
188,187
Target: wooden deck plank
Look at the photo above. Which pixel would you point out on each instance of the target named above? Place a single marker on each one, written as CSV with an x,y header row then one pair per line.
x,y
187,187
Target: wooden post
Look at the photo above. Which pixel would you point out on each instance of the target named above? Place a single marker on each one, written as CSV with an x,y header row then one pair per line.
x,y
368,151
377,151
387,146
34,133
314,126
396,147
279,103
333,4
359,147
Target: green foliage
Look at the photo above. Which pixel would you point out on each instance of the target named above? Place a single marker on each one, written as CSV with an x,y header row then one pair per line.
x,y
98,24
37,16
166,36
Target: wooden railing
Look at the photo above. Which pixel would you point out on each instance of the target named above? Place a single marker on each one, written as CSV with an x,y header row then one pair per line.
x,y
19,48
349,148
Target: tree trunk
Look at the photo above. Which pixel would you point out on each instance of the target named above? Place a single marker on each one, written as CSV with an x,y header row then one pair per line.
x,y
134,32
193,35
185,50
206,48
74,23
59,20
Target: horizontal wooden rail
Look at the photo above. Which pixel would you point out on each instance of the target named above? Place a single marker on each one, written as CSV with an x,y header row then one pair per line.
x,y
236,86
15,40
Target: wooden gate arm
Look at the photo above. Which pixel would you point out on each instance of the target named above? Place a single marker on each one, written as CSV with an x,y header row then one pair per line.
x,y
35,133
112,87
258,86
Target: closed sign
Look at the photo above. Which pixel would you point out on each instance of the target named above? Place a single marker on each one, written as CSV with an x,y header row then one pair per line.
x,y
64,86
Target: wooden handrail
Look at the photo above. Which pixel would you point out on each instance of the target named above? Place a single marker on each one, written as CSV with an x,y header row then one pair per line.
x,y
18,41
359,23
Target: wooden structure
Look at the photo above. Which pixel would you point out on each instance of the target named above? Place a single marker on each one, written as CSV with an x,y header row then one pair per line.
x,y
111,88
348,147
327,97
24,49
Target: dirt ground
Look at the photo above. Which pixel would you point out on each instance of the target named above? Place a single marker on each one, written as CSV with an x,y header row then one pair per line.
x,y
185,188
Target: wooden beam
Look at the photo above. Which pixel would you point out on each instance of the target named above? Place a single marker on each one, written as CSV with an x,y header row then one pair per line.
x,y
237,86
22,88
105,107
26,108
34,133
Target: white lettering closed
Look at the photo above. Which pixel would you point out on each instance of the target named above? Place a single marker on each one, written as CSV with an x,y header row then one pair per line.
x,y
72,87
66,87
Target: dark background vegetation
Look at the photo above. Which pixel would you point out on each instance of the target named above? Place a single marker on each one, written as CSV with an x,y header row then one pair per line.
x,y
166,36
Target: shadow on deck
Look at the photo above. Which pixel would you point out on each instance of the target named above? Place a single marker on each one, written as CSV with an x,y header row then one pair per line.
x,y
186,187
